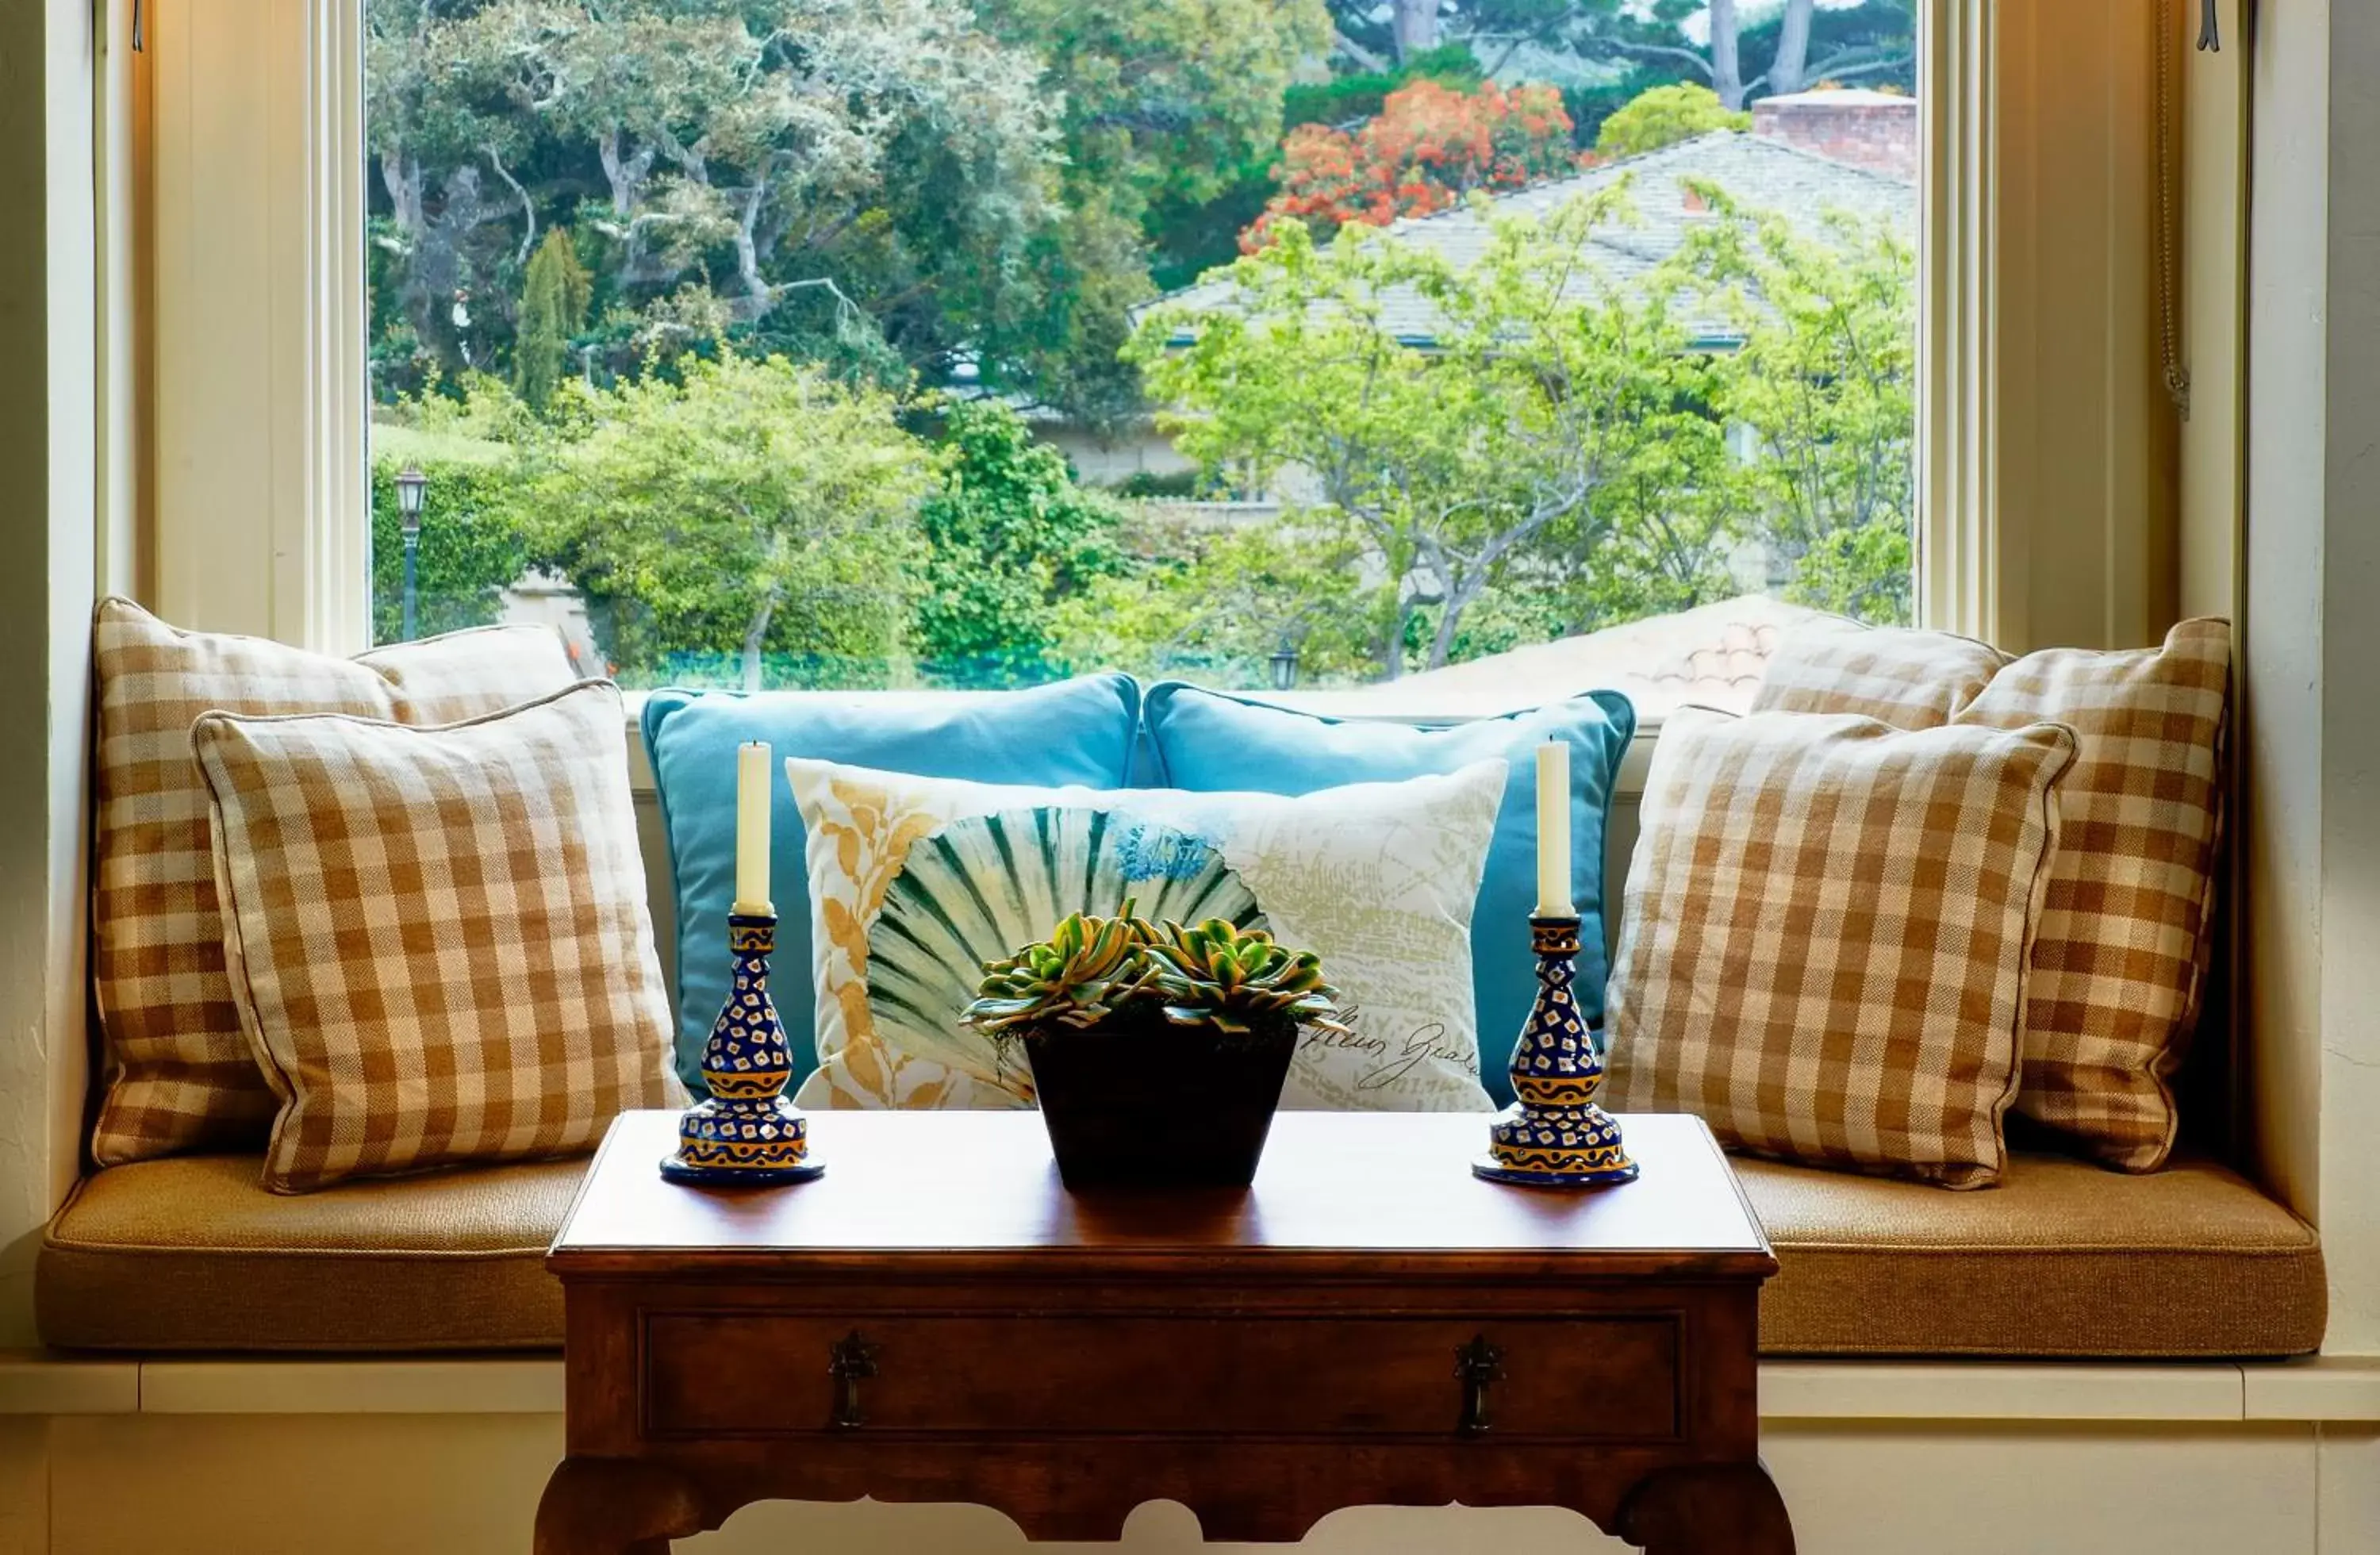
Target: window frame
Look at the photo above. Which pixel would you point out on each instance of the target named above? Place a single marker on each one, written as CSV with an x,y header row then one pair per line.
x,y
259,477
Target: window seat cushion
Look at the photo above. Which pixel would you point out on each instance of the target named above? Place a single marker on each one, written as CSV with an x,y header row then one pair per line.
x,y
2062,1259
192,1253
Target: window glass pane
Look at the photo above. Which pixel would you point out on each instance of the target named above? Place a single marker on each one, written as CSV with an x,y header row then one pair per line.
x,y
1455,351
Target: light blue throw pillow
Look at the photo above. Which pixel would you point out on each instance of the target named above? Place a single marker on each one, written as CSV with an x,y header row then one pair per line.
x,y
1208,741
1080,732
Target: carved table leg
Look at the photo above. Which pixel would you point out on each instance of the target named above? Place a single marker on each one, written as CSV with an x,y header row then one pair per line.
x,y
614,1506
1711,1508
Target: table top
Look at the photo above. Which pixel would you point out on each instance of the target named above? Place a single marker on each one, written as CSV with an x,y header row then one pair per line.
x,y
1392,1187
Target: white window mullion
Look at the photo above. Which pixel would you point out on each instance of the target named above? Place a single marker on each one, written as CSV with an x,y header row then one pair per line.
x,y
337,585
1958,541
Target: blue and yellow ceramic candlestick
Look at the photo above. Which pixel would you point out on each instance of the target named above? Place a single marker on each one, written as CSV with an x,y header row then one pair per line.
x,y
1555,1136
748,1133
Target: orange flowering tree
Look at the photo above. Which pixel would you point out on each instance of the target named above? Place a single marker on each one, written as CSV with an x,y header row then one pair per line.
x,y
1430,146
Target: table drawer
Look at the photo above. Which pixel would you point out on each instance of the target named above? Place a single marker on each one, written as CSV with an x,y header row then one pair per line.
x,y
1164,1375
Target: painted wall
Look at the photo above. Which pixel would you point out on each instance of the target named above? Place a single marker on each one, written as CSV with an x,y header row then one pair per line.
x,y
1103,461
2213,194
2281,714
2312,573
49,446
300,1485
2350,653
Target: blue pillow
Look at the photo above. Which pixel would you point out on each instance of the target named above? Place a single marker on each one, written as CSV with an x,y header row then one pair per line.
x,y
1078,731
1210,742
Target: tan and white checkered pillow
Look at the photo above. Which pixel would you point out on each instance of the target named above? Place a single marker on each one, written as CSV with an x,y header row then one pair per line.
x,y
1825,945
1908,679
2120,954
180,1075
437,936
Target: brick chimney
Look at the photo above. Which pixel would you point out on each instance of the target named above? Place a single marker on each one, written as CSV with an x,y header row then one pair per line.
x,y
1877,130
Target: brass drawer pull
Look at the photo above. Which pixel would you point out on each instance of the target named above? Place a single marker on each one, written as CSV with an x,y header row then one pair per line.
x,y
1476,1364
849,1360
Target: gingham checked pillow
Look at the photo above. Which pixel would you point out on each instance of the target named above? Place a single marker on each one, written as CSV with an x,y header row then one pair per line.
x,y
180,1075
2120,954
1825,943
437,938
1908,679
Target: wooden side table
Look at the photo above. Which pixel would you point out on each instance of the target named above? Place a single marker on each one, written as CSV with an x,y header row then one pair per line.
x,y
938,1319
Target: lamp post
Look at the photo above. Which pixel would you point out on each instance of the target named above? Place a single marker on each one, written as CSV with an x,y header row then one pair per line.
x,y
1284,666
410,484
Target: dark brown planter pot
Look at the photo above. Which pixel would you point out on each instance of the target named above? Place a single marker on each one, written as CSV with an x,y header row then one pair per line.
x,y
1157,1106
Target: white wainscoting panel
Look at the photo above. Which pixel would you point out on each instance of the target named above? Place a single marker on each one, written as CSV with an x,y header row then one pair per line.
x,y
468,1485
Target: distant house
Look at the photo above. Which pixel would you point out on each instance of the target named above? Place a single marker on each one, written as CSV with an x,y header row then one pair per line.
x,y
1807,154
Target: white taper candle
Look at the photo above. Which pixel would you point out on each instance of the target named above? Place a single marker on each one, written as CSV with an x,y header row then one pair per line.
x,y
1553,831
752,829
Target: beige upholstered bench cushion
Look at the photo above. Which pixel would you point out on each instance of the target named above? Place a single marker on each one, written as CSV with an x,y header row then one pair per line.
x,y
2063,1259
191,1253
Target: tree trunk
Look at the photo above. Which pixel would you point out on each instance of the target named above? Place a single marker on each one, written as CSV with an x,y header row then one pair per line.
x,y
529,208
1458,599
401,173
1357,52
626,175
754,636
436,272
1414,25
1789,72
758,298
442,260
1727,64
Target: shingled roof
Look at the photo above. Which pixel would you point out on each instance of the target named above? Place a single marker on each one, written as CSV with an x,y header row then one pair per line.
x,y
1762,173
1713,655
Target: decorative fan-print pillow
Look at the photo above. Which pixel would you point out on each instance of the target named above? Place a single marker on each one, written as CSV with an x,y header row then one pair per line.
x,y
915,883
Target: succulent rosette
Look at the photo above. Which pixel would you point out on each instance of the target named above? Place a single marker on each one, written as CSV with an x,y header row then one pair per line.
x,y
1094,971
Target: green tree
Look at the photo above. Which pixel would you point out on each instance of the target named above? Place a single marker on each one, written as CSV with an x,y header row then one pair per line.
x,y
1430,146
1459,459
1190,236
1010,537
1864,572
1663,115
554,296
1741,52
879,175
1561,449
1217,599
1166,103
471,545
1826,383
1658,532
755,509
1165,97
445,136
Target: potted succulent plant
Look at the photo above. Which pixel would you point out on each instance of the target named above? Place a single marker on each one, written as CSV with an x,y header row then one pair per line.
x,y
1156,1051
